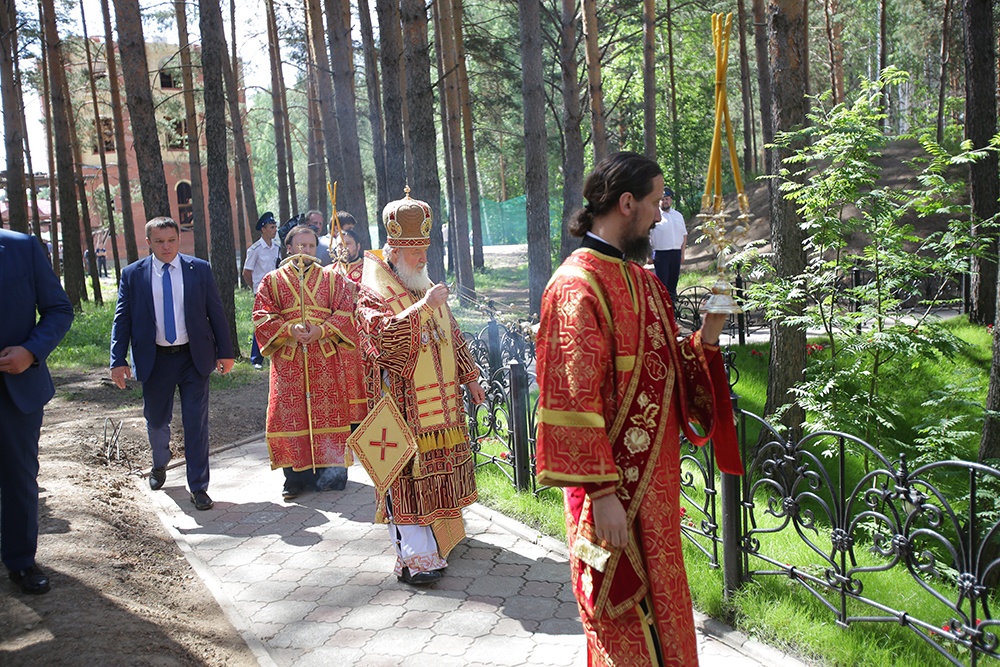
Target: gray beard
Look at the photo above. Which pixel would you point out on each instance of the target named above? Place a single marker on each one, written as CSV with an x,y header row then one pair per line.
x,y
416,281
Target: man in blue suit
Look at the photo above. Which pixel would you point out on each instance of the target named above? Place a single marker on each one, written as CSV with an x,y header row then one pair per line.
x,y
25,342
170,312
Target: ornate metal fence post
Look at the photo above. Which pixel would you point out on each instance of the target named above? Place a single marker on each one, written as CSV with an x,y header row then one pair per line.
x,y
519,424
493,345
741,318
732,527
732,567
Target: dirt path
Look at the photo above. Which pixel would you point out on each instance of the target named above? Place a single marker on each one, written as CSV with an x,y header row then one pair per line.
x,y
122,592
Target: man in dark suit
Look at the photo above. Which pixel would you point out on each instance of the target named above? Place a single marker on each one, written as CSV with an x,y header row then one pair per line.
x,y
170,312
28,285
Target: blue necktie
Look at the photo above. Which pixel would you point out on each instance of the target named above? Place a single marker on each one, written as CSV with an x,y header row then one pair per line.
x,y
169,329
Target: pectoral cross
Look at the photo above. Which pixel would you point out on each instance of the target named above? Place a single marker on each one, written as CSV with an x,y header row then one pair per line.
x,y
383,444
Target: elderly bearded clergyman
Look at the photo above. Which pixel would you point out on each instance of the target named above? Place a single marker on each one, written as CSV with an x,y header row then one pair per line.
x,y
415,352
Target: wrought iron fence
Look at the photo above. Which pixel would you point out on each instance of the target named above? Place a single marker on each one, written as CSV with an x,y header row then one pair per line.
x,y
499,428
938,525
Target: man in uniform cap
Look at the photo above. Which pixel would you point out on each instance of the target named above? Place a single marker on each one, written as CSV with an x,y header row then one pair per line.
x,y
262,258
415,353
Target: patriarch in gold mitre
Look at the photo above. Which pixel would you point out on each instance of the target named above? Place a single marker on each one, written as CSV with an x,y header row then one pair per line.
x,y
416,355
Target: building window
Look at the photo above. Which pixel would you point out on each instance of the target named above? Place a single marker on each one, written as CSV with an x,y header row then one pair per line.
x,y
177,138
185,209
169,78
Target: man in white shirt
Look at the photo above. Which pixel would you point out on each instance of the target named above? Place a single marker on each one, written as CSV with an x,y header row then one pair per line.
x,y
262,258
668,239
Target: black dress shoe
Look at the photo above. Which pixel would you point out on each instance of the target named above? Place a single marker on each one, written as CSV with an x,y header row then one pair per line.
x,y
31,580
157,476
201,500
290,491
420,578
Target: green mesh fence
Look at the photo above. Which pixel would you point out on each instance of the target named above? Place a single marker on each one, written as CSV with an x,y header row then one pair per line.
x,y
506,222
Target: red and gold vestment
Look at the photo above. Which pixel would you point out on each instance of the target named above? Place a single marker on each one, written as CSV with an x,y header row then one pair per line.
x,y
352,359
352,271
418,355
616,389
302,289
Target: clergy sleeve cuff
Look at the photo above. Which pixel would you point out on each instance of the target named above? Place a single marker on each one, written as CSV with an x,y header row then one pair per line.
x,y
599,490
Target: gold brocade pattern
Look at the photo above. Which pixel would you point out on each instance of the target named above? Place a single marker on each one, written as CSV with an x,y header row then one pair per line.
x,y
419,357
596,313
315,392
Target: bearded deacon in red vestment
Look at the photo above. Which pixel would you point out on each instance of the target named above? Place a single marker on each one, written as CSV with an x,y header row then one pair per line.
x,y
304,322
415,353
617,387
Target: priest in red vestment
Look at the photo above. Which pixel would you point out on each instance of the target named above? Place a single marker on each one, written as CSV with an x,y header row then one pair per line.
x,y
617,388
353,260
304,322
415,352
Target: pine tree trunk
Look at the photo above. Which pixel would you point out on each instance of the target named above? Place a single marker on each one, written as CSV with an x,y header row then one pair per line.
x,y
82,195
13,126
374,108
213,59
109,203
831,50
316,184
984,185
674,140
449,181
649,78
233,78
199,227
327,103
139,98
277,110
240,220
352,185
35,220
572,122
422,130
943,77
293,198
789,67
453,126
593,56
980,126
536,176
124,184
760,38
465,98
882,52
391,58
50,144
69,217
749,164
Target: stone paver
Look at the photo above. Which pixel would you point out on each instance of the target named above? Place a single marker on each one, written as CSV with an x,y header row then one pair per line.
x,y
309,582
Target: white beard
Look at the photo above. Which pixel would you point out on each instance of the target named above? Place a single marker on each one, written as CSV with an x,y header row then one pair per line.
x,y
416,281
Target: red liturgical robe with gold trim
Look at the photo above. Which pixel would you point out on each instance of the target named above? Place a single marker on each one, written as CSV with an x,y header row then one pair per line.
x,y
336,386
616,387
419,356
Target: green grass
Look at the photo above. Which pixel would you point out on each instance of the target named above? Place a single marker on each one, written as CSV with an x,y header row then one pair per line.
x,y
87,345
774,609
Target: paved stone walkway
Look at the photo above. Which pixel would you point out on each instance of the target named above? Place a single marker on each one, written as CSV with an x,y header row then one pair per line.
x,y
309,582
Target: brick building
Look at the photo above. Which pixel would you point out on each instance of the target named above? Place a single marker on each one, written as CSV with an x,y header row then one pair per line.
x,y
167,88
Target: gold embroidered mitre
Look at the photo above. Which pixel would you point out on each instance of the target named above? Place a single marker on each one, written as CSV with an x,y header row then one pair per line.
x,y
407,222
